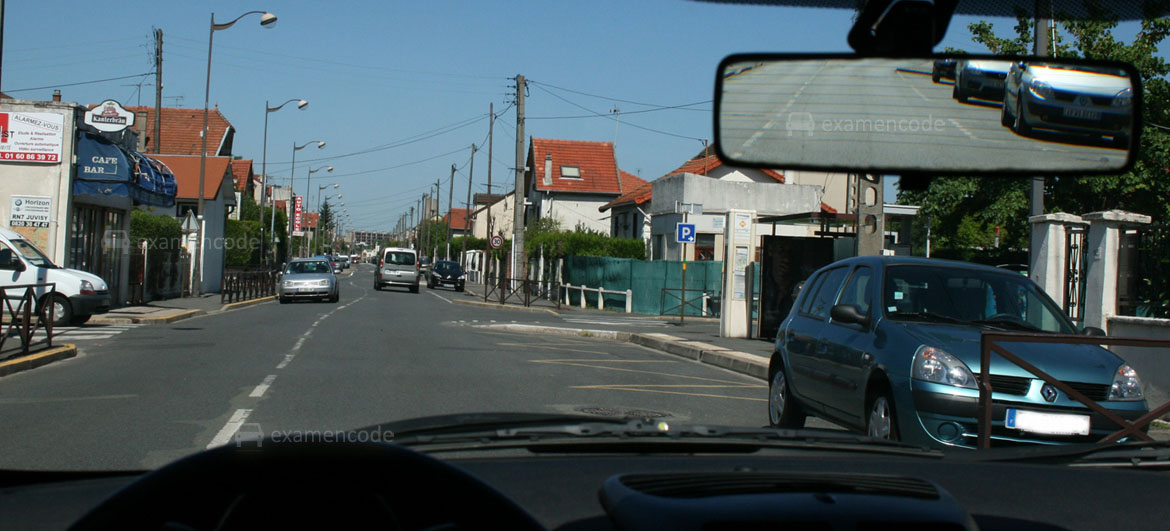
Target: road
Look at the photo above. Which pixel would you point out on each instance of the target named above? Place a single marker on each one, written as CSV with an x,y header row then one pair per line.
x,y
881,113
150,394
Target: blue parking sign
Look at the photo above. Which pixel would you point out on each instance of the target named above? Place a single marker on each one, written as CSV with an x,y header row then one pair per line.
x,y
684,233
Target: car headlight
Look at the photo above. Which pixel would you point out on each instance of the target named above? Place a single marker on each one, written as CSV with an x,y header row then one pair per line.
x,y
1040,89
322,282
87,288
936,365
1123,98
289,284
1126,384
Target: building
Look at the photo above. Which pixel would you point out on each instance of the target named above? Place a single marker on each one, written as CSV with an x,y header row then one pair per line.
x,y
627,217
499,212
569,180
457,222
370,238
245,184
219,198
180,131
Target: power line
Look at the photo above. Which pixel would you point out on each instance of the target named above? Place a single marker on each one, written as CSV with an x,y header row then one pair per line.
x,y
603,97
79,83
636,126
674,107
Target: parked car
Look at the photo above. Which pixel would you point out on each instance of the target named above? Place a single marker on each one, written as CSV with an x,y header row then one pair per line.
x,y
1088,100
980,78
398,267
425,265
334,265
446,273
943,68
342,261
890,346
309,278
79,295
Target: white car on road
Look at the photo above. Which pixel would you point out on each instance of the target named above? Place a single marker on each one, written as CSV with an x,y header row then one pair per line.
x,y
980,78
1082,99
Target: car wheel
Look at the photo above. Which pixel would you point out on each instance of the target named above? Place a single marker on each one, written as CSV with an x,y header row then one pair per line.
x,y
414,288
880,422
377,287
336,297
283,300
958,93
1005,118
934,77
783,411
62,310
79,320
459,288
1020,125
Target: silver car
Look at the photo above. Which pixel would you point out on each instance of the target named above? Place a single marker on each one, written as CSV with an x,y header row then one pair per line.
x,y
980,78
1090,100
309,278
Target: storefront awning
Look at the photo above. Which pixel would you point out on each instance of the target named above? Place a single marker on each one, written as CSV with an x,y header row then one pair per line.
x,y
106,170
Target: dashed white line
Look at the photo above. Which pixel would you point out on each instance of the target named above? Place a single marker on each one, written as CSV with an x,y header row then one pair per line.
x,y
228,430
287,359
260,389
961,128
441,297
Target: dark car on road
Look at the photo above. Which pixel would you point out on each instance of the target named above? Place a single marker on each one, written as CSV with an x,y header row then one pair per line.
x,y
890,346
446,273
944,68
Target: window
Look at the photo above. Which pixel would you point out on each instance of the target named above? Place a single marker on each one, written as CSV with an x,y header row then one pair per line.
x,y
826,292
857,292
400,258
704,247
570,172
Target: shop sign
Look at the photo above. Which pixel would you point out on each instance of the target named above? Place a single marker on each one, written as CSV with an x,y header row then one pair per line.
x,y
30,211
31,137
109,116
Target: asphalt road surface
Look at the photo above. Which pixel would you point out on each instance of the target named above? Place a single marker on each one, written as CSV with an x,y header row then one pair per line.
x,y
881,113
150,394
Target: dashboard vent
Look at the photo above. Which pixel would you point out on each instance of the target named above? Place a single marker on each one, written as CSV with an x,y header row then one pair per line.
x,y
730,484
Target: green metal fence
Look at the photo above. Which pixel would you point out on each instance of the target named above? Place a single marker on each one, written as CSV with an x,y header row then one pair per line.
x,y
646,279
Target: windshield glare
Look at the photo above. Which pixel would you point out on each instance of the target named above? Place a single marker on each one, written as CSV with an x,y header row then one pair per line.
x,y
970,295
308,267
32,254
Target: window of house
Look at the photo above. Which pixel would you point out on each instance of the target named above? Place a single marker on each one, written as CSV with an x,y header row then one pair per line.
x,y
570,172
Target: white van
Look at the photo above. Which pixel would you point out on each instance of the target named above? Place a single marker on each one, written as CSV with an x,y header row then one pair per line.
x,y
79,294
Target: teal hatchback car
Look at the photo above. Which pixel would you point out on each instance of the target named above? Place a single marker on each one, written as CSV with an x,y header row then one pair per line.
x,y
890,346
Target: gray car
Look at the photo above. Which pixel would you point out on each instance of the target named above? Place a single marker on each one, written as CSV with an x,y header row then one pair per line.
x,y
309,278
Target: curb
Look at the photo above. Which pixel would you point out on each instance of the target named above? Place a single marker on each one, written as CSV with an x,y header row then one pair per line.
x,y
148,320
43,357
733,360
245,304
504,306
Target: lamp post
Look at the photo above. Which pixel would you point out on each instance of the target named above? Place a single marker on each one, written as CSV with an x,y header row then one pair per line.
x,y
319,188
301,104
292,180
309,194
266,21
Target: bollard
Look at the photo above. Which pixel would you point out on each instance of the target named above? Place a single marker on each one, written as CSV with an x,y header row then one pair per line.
x,y
601,298
630,301
583,288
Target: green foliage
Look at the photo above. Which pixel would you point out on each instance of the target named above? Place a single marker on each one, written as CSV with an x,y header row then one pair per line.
x,y
434,236
241,242
249,209
545,236
473,244
163,233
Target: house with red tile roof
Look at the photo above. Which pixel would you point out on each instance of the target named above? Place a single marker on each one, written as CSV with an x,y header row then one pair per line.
x,y
219,197
244,183
568,180
457,222
180,131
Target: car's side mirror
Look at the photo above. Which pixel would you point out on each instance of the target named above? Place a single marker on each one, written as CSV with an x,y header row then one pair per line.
x,y
1093,331
849,313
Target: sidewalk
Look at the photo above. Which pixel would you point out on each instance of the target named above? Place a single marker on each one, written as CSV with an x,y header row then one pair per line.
x,y
170,310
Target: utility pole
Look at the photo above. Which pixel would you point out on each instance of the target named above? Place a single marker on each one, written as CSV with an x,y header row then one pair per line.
x,y
519,261
467,216
1036,199
491,126
426,218
450,206
411,225
438,212
158,43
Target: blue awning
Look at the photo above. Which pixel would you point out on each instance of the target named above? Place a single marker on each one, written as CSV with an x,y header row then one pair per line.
x,y
154,182
102,168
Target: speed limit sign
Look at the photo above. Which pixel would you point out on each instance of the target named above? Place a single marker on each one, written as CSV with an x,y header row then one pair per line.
x,y
497,241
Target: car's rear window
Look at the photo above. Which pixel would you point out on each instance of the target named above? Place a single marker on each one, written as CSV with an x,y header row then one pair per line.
x,y
399,258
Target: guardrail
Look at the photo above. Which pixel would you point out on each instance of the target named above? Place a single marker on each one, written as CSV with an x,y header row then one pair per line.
x,y
990,342
600,295
19,317
246,285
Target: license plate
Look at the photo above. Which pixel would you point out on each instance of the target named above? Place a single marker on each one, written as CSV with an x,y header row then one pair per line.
x,y
1084,114
305,289
1047,423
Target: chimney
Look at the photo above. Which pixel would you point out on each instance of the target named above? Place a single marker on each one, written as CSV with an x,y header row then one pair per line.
x,y
547,170
57,95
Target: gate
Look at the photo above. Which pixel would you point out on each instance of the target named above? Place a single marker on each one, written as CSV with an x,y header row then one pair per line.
x,y
1076,252
787,261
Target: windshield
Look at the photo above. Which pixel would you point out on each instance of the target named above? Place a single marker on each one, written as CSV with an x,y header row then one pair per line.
x,y
968,295
308,267
31,253
590,253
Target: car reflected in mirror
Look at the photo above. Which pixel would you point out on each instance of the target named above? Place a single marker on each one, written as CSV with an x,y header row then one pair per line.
x,y
934,115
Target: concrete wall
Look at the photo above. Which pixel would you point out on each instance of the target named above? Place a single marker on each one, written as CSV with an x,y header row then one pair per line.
x,y
48,180
502,214
574,209
720,196
834,186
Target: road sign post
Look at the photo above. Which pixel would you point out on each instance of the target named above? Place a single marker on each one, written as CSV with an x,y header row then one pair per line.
x,y
684,233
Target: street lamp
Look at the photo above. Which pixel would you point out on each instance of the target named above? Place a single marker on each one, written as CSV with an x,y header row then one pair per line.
x,y
267,20
301,104
309,193
292,181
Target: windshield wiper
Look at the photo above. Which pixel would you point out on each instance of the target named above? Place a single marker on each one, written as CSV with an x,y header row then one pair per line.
x,y
929,316
580,433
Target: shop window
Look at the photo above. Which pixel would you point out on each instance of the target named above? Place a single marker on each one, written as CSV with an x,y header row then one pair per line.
x,y
704,247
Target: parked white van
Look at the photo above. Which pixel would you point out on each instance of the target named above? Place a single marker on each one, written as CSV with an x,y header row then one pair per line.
x,y
79,295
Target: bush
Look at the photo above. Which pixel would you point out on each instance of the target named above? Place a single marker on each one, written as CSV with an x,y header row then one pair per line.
x,y
241,243
163,233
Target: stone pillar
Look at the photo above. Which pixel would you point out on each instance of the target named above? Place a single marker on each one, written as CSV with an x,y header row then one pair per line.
x,y
1047,268
1104,243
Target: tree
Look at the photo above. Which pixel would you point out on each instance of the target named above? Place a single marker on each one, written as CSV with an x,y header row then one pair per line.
x,y
963,207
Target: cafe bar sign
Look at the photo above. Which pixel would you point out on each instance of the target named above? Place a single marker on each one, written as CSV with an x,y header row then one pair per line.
x,y
109,116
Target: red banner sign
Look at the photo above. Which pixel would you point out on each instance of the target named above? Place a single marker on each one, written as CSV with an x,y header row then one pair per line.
x,y
297,213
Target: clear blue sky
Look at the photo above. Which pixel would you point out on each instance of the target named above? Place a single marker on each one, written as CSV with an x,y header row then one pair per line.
x,y
378,74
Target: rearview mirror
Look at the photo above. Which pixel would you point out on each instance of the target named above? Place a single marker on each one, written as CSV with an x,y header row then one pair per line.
x,y
943,115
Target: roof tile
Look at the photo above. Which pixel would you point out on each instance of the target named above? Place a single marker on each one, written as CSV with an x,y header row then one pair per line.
x,y
595,160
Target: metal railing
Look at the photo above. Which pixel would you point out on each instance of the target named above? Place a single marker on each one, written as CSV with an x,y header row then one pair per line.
x,y
990,342
700,303
19,316
521,291
247,285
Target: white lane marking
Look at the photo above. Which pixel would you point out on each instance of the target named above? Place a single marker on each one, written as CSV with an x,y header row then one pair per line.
x,y
441,297
228,430
287,359
963,129
260,389
300,342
